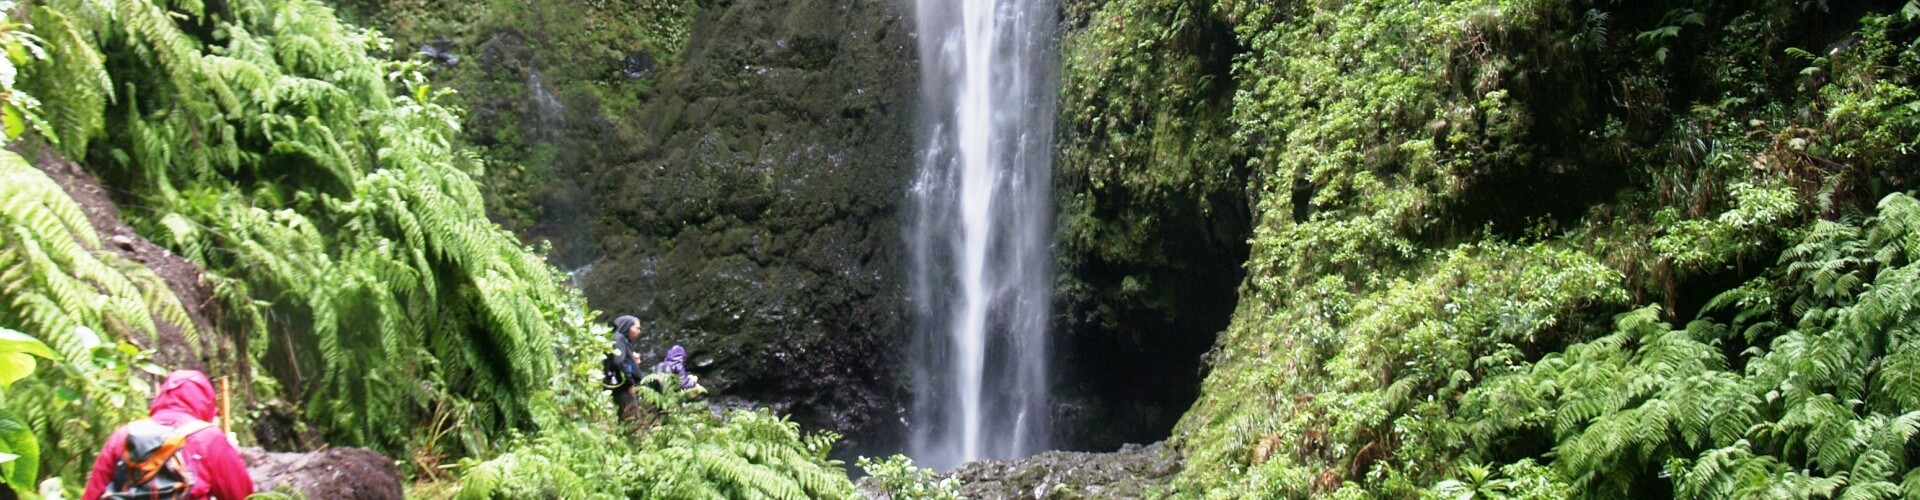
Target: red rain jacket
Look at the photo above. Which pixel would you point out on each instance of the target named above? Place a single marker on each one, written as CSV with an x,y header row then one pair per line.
x,y
217,470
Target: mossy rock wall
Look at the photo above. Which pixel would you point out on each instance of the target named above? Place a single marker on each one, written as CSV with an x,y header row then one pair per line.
x,y
757,220
1153,213
552,91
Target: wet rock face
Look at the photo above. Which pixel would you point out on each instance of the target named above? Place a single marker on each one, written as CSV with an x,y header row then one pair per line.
x,y
757,221
1133,472
1154,214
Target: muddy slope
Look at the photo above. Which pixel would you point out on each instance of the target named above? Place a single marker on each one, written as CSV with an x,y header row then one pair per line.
x,y
188,282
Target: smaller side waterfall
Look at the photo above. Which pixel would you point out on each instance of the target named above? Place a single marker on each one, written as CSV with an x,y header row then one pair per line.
x,y
980,236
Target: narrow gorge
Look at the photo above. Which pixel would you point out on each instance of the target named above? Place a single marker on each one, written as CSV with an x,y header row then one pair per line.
x,y
972,248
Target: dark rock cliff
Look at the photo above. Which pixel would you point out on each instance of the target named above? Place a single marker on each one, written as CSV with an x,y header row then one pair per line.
x,y
1154,216
757,223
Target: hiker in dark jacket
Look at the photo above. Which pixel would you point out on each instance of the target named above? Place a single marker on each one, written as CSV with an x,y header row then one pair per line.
x,y
626,331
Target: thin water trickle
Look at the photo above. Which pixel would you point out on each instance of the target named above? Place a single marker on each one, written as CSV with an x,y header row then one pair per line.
x,y
578,274
982,227
546,103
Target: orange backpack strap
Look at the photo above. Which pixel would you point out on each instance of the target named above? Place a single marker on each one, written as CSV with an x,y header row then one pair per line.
x,y
151,466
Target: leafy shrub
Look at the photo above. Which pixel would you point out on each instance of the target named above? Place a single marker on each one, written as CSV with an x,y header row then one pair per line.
x,y
19,448
1523,479
897,478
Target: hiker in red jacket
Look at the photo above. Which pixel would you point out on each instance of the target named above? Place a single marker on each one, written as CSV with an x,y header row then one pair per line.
x,y
185,406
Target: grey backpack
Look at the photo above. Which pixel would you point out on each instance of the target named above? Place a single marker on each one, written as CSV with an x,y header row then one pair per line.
x,y
151,466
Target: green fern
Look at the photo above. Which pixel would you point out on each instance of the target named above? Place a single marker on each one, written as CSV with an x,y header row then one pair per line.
x,y
57,281
687,452
326,194
1828,409
333,210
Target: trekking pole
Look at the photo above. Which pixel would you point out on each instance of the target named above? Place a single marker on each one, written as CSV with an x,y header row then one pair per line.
x,y
226,407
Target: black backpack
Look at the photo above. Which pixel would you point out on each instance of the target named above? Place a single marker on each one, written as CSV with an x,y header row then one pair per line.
x,y
151,466
611,376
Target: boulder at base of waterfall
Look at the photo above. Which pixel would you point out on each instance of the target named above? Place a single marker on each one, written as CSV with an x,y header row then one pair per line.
x,y
1132,472
329,473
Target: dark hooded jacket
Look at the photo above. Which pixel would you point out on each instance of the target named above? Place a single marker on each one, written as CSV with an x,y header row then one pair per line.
x,y
623,348
217,470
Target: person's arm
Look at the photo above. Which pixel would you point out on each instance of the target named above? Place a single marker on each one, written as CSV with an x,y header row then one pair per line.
x,y
227,476
629,362
103,466
635,369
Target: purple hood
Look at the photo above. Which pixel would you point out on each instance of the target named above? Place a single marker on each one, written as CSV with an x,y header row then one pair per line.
x,y
676,363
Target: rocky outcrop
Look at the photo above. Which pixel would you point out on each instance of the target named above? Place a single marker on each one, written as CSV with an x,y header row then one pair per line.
x,y
757,222
330,473
1132,472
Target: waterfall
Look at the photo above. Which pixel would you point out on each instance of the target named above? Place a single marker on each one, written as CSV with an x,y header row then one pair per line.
x,y
981,230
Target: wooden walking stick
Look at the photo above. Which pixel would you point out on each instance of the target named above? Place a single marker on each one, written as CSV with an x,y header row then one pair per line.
x,y
226,407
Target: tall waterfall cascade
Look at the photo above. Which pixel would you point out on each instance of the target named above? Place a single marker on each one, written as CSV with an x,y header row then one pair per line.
x,y
981,229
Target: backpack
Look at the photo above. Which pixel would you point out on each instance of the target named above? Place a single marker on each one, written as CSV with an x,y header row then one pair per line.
x,y
151,466
611,376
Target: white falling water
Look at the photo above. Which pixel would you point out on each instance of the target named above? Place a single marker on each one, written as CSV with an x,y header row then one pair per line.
x,y
981,230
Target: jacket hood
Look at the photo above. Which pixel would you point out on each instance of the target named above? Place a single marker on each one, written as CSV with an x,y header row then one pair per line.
x,y
185,391
677,355
621,324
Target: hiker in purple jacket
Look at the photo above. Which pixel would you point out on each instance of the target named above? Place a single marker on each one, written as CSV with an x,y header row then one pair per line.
x,y
676,363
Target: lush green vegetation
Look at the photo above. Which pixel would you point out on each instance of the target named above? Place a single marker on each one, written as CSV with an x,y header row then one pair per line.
x,y
337,217
1820,400
1471,228
683,450
1450,199
329,197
